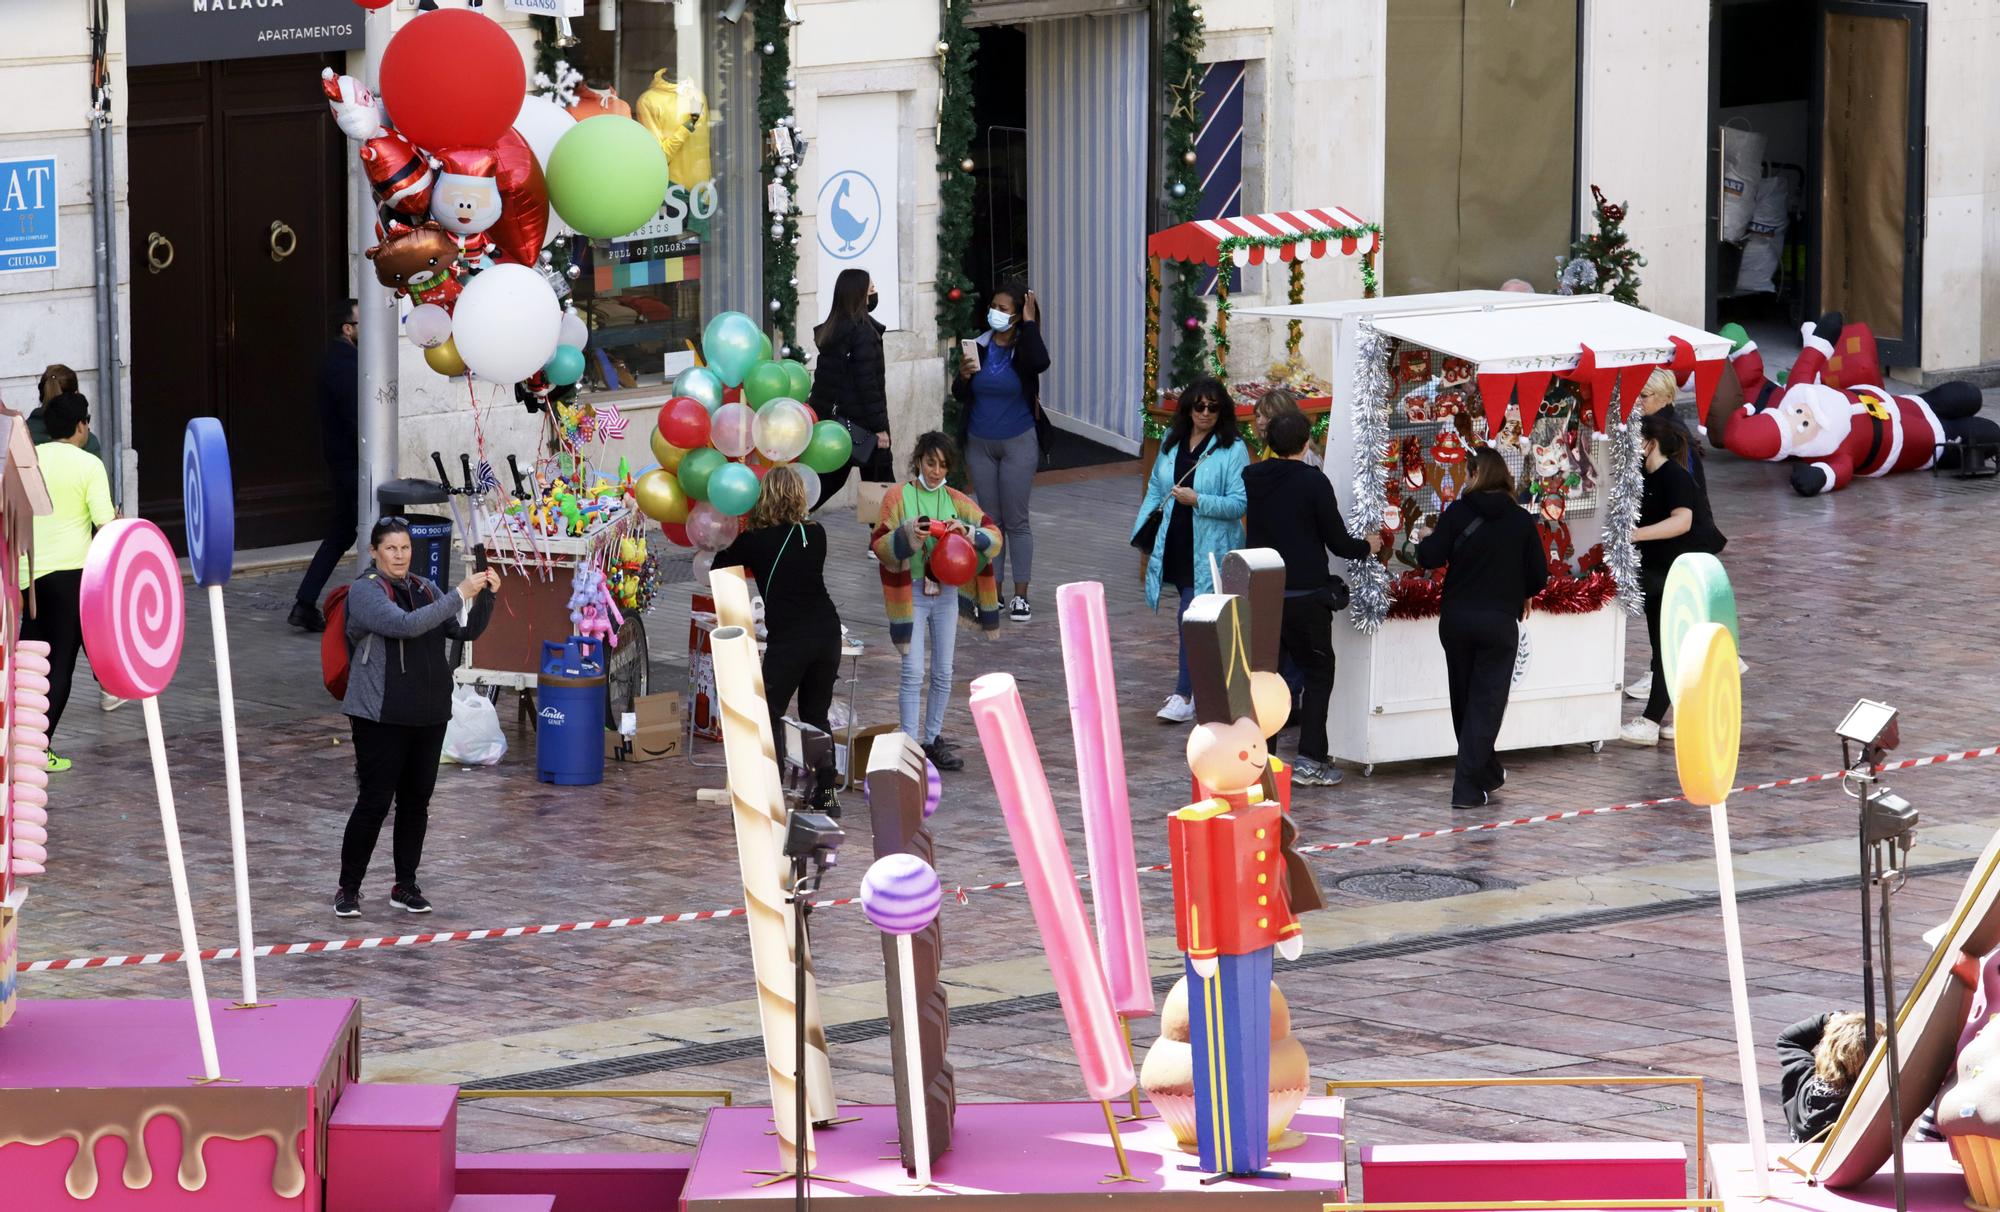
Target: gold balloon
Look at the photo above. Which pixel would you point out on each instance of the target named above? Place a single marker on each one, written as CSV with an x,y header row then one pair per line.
x,y
1708,719
666,452
444,359
661,497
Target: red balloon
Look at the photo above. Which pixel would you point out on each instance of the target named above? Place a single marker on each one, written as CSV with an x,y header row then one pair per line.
x,y
374,3
677,533
953,561
732,395
684,423
812,417
453,78
524,199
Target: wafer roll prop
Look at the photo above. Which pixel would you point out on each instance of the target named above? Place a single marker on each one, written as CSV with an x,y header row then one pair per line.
x,y
208,498
900,894
730,589
1101,788
1708,728
133,624
755,794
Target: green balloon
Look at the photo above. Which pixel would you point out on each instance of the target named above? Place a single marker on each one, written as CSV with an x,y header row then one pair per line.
x,y
698,467
733,489
700,384
765,382
828,451
1697,592
732,344
765,345
798,380
607,176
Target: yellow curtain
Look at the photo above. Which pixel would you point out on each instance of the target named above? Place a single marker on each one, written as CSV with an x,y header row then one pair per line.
x,y
1864,187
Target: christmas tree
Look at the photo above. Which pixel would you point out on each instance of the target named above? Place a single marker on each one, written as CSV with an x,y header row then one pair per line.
x,y
1603,262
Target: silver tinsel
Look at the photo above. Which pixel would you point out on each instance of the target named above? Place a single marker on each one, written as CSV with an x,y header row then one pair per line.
x,y
1575,274
1621,510
1368,414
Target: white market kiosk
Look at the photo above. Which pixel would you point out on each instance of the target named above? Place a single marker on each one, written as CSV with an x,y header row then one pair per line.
x,y
1389,698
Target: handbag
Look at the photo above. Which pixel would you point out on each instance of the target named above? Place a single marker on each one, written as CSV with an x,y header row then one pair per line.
x,y
1333,595
1149,530
862,438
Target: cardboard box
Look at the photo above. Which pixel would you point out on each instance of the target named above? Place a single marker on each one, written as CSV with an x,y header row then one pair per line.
x,y
662,730
850,751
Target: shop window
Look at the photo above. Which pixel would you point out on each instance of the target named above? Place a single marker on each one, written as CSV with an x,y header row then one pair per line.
x,y
1218,151
684,73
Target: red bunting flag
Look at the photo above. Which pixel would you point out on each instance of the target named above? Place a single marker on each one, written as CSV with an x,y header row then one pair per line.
x,y
1594,384
1707,374
1683,361
1631,382
1530,388
1494,392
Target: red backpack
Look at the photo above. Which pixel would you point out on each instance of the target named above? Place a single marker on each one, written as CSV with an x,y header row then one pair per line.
x,y
335,653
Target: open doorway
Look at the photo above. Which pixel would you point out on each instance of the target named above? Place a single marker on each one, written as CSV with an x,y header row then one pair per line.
x,y
999,249
1819,161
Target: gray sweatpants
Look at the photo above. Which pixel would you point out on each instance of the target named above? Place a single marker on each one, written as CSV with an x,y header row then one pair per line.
x,y
1003,473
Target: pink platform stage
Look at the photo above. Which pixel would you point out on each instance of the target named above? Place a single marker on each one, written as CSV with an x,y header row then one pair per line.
x,y
82,1081
1048,1156
1932,1178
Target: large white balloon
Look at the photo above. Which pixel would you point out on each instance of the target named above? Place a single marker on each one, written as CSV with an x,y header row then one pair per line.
x,y
574,330
542,123
506,323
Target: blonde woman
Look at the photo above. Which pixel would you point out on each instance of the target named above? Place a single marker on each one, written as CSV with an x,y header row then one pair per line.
x,y
1273,404
786,553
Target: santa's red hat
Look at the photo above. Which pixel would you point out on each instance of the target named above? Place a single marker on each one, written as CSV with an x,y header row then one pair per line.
x,y
469,162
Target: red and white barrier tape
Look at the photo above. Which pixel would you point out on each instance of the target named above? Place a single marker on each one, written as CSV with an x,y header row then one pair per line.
x,y
960,891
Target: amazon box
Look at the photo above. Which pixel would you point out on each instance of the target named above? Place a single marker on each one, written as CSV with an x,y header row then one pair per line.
x,y
661,731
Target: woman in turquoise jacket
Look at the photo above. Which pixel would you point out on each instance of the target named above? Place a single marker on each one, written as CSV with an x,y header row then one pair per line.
x,y
1198,481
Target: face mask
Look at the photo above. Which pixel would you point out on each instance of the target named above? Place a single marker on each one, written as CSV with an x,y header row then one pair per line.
x,y
873,299
925,480
998,321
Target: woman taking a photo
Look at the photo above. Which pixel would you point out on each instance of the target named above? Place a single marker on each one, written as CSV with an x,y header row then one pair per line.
x,y
1496,565
399,699
1193,510
1673,519
848,380
787,556
1001,394
923,611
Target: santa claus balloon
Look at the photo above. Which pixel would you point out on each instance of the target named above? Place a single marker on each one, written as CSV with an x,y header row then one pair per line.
x,y
1834,420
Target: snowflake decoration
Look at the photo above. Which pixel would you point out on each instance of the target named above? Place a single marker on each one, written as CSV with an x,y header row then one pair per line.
x,y
561,89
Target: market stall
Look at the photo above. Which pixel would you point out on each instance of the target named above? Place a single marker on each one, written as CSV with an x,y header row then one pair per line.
x,y
1552,383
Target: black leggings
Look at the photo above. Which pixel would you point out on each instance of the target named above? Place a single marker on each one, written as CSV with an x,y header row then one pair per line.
x,y
1479,650
808,666
1656,588
394,764
57,621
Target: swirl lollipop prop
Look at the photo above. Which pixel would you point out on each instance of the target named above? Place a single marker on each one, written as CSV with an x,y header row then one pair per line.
x,y
133,624
1697,591
1708,730
209,500
901,894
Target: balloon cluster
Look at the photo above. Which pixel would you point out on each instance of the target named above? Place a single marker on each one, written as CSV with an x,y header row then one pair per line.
x,y
730,422
472,178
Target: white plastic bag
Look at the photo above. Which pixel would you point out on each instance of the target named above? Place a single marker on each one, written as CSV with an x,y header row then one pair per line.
x,y
473,738
1742,169
1764,243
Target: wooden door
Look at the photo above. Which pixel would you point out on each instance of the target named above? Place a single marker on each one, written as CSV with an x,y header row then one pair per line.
x,y
237,220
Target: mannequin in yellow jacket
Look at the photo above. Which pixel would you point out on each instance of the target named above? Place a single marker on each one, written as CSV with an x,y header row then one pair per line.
x,y
677,114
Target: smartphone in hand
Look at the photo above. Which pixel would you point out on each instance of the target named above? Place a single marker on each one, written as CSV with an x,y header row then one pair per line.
x,y
968,352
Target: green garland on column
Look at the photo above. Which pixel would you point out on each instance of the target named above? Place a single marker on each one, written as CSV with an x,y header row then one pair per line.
x,y
1180,70
781,236
957,48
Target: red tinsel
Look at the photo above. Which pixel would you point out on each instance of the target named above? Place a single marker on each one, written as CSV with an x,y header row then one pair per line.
x,y
1418,595
1577,595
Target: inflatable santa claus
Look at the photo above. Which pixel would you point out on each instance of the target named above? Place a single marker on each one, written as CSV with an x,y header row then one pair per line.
x,y
1833,419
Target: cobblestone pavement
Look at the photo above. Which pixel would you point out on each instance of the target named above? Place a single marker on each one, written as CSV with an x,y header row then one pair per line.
x,y
1593,946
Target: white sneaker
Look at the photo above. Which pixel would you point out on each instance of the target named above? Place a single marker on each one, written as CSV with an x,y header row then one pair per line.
x,y
1641,731
1641,688
1666,732
108,701
1176,710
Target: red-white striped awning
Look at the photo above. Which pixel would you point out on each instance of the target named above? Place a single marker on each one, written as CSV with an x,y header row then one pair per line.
x,y
1198,241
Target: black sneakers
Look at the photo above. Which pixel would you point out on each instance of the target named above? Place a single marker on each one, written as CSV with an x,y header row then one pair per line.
x,y
409,898
347,903
943,756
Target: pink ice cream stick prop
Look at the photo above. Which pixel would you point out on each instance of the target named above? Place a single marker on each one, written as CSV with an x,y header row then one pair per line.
x,y
133,623
1107,812
1051,881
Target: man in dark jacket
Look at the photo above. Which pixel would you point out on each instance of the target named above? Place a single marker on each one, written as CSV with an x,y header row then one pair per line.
x,y
340,441
1292,511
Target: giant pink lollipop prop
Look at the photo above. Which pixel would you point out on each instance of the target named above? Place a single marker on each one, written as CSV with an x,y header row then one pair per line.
x,y
1107,812
133,623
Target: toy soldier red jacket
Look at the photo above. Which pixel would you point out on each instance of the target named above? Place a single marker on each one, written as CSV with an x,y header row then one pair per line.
x,y
1230,879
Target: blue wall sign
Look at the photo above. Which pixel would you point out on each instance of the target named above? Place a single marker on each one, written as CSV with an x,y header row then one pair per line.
x,y
850,214
27,214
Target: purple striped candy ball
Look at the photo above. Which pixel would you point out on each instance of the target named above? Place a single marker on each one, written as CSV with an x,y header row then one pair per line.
x,y
901,894
933,788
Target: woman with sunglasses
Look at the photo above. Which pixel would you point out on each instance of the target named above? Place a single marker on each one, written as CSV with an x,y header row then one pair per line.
x,y
1198,482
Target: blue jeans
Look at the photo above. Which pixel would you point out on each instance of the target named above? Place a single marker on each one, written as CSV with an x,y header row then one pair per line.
x,y
1184,685
934,631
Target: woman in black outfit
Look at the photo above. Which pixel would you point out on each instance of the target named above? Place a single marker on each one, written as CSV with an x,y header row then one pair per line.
x,y
1672,520
848,383
1496,565
787,555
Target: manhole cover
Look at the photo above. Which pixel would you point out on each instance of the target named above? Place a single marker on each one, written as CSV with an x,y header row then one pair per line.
x,y
1408,884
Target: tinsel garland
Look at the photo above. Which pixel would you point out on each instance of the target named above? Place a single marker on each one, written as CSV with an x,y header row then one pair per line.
x,y
1368,413
1420,595
1621,511
781,237
1180,72
957,47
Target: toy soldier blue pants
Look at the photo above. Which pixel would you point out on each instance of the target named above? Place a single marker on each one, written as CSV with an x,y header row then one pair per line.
x,y
1229,1024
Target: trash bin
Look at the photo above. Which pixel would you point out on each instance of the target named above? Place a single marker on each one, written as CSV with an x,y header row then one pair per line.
x,y
569,710
430,535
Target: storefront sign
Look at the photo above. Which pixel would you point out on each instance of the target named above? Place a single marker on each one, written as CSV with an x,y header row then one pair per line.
x,y
856,204
548,8
189,31
27,214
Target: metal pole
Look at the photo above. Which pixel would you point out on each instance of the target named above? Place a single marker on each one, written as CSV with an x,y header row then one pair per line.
x,y
1867,943
378,346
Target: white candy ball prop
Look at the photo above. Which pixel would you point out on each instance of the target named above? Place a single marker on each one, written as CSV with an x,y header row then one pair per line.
x,y
429,326
733,430
784,427
506,324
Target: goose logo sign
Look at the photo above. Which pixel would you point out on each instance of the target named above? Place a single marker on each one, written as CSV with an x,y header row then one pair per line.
x,y
854,215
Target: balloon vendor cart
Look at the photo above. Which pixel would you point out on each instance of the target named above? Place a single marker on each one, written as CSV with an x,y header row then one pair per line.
x,y
1552,383
1291,236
